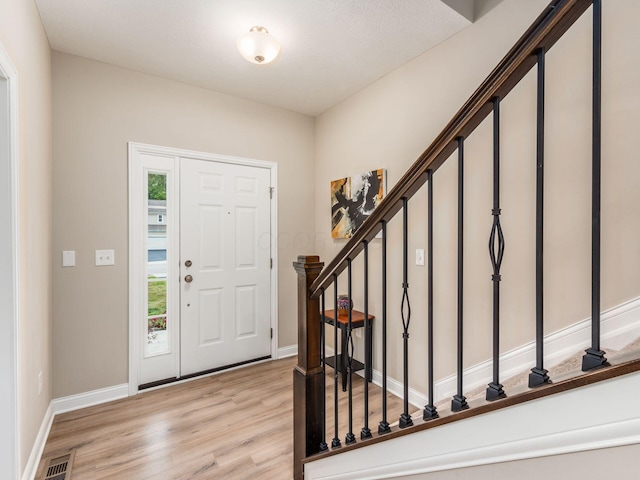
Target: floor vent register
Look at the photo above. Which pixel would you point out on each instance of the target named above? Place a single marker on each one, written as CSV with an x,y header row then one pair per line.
x,y
59,468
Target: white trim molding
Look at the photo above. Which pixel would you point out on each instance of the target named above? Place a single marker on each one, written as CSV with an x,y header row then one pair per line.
x,y
396,387
31,468
290,351
620,325
10,413
89,399
540,428
63,405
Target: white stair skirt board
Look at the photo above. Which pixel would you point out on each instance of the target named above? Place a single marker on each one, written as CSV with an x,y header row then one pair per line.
x,y
558,424
619,326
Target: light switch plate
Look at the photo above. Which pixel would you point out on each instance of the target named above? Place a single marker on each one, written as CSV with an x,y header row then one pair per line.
x,y
105,258
68,258
420,256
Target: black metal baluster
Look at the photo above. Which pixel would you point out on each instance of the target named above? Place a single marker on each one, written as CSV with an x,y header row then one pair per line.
x,y
496,252
430,411
405,418
383,426
459,401
366,431
594,357
538,375
335,443
350,437
323,442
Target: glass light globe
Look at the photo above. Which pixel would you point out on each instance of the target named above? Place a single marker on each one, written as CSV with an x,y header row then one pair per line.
x,y
257,46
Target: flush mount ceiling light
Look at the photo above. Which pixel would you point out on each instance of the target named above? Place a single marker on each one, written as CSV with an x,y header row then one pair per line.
x,y
257,46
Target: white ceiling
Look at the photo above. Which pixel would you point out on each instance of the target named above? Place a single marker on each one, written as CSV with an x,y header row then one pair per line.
x,y
330,48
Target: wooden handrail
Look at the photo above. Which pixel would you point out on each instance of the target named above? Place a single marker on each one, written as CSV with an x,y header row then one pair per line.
x,y
552,23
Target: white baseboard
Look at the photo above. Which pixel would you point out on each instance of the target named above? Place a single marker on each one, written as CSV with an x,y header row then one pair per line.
x,y
68,404
88,399
416,398
38,446
619,326
290,351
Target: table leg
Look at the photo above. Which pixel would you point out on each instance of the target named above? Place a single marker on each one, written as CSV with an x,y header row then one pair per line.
x,y
369,359
344,355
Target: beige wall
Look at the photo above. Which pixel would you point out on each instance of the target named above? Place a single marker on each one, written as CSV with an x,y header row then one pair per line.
x,y
602,463
392,121
24,39
98,109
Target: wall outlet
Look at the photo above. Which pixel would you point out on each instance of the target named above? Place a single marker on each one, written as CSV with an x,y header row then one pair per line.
x,y
40,383
105,258
420,256
358,333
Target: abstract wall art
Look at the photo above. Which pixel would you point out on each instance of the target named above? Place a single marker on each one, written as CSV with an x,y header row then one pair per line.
x,y
353,199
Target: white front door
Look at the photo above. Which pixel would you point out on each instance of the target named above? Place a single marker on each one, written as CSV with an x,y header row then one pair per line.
x,y
224,263
201,284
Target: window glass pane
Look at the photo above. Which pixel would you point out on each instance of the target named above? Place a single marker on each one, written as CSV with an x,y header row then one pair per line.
x,y
157,333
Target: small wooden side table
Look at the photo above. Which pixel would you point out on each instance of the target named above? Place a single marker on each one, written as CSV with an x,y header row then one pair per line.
x,y
357,321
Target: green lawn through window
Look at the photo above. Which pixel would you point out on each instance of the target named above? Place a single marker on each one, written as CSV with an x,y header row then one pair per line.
x,y
157,297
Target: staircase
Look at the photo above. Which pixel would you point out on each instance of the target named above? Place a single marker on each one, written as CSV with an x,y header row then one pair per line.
x,y
415,442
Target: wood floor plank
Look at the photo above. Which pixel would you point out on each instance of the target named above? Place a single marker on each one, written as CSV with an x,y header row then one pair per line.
x,y
232,425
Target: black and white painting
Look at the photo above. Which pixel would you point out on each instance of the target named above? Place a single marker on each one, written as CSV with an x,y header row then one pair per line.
x,y
353,199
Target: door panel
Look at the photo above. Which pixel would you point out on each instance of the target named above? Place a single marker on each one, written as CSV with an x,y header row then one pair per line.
x,y
246,324
246,241
211,243
210,316
225,211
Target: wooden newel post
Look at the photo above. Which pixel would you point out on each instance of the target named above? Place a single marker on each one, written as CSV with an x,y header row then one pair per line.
x,y
308,381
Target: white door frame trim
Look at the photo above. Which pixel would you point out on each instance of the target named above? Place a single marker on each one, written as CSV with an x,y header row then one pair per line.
x,y
134,257
9,240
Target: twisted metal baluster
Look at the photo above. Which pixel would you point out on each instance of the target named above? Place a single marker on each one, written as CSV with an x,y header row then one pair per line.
x,y
496,252
405,418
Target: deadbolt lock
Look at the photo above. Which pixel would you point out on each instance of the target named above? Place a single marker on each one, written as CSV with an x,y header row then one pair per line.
x,y
188,263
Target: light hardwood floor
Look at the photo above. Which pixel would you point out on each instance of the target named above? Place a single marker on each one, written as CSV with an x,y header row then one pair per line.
x,y
234,425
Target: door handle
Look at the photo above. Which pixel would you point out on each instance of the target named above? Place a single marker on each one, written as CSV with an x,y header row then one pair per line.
x,y
188,279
